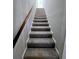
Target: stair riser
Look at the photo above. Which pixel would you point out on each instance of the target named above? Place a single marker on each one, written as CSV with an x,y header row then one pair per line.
x,y
41,57
40,35
40,21
40,45
40,18
40,29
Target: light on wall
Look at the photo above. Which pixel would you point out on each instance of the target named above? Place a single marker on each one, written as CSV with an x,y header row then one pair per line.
x,y
39,3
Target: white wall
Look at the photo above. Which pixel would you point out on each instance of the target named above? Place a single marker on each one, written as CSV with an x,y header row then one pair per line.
x,y
21,8
56,13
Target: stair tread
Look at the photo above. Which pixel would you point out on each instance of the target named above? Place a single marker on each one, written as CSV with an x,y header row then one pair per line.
x,y
40,12
41,32
40,27
41,41
39,23
40,20
43,53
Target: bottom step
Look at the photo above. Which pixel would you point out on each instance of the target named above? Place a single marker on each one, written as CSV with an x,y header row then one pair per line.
x,y
41,53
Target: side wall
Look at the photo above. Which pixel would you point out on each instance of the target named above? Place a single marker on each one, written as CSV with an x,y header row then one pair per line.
x,y
64,51
56,13
21,9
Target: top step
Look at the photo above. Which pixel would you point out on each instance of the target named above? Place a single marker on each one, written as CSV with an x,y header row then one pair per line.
x,y
40,14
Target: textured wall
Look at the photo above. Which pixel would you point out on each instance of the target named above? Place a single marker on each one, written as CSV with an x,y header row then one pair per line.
x,y
55,10
21,8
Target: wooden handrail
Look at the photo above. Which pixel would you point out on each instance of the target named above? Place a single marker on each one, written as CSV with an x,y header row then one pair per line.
x,y
21,28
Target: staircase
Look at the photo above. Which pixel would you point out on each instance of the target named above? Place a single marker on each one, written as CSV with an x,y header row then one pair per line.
x,y
41,44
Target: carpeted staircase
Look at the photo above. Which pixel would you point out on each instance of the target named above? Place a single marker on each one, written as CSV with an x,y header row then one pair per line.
x,y
41,44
